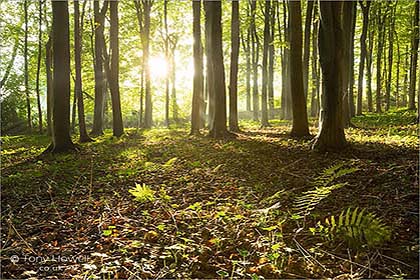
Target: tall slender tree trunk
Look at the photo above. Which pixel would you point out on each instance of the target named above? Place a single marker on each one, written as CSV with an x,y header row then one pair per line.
x,y
330,40
38,66
300,118
397,86
117,123
315,71
390,58
264,90
100,84
25,54
213,15
61,80
165,16
271,61
306,44
405,82
209,72
48,66
78,31
247,47
380,23
197,102
255,56
173,78
148,121
414,57
363,50
233,79
352,108
369,60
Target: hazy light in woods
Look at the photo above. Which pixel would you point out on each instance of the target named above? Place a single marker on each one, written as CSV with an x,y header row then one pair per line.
x,y
158,67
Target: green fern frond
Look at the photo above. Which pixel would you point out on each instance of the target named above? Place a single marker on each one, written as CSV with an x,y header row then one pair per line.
x,y
323,187
356,227
310,199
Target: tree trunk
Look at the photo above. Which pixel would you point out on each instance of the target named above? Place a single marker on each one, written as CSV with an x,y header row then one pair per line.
x,y
363,50
100,87
331,131
247,48
315,71
271,62
165,15
117,124
397,86
78,30
352,108
148,121
48,66
38,66
209,73
197,102
61,80
414,55
308,23
213,15
380,22
347,24
25,54
267,40
300,118
390,58
405,82
369,60
173,78
255,56
233,79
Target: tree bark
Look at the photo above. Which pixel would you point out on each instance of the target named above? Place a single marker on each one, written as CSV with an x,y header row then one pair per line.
x,y
414,55
61,79
264,90
25,54
148,118
380,17
271,61
315,71
255,56
78,30
306,44
233,79
117,123
165,20
48,66
390,58
213,15
330,40
100,84
363,50
369,61
300,118
38,66
197,102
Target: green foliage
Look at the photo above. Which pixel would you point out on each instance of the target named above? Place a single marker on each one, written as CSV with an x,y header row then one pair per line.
x,y
358,228
305,203
143,193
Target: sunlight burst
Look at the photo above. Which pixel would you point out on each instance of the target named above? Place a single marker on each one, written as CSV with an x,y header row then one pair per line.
x,y
158,67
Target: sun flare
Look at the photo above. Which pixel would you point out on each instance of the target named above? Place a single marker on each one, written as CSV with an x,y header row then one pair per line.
x,y
158,67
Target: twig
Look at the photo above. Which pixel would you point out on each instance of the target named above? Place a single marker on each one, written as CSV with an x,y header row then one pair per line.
x,y
20,236
395,260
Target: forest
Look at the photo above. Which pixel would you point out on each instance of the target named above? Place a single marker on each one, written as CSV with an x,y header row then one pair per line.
x,y
209,139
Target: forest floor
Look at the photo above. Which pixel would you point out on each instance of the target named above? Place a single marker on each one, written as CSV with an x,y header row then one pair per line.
x,y
161,204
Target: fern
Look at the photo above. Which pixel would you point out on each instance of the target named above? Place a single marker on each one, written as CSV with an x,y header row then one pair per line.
x,y
356,227
323,187
142,193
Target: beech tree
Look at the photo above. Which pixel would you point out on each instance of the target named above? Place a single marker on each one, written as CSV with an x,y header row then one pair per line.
x,y
198,101
61,79
117,124
330,40
100,84
300,119
233,77
413,58
213,11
